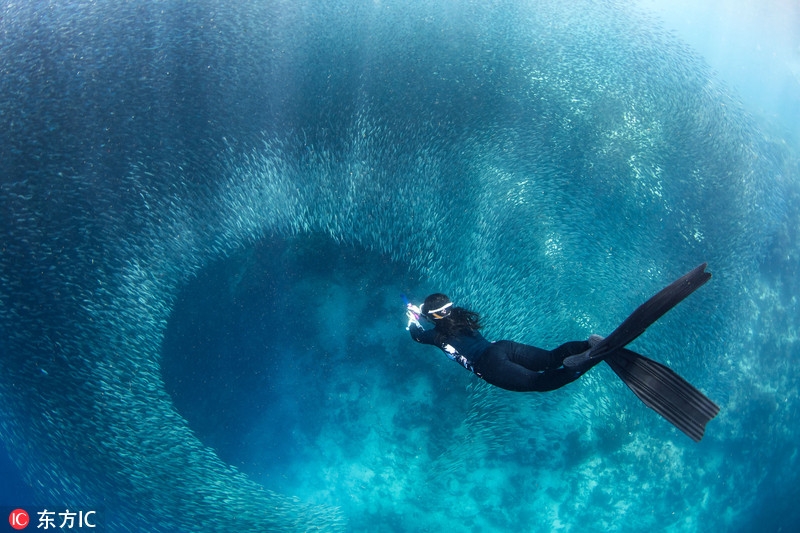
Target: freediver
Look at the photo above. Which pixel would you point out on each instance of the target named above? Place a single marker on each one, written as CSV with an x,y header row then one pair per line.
x,y
520,367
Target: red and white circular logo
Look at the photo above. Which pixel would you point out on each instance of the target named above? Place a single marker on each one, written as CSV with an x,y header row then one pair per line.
x,y
19,519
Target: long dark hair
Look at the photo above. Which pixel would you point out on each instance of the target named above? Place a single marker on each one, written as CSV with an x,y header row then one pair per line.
x,y
457,321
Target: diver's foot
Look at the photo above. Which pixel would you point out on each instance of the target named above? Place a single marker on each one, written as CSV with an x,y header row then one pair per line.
x,y
574,361
595,339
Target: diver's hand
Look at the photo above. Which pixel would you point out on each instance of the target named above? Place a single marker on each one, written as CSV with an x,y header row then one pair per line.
x,y
413,315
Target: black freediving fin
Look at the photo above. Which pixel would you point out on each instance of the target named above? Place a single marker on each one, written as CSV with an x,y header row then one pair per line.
x,y
643,317
664,391
650,311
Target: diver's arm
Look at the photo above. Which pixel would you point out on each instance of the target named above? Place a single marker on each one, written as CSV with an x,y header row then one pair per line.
x,y
420,335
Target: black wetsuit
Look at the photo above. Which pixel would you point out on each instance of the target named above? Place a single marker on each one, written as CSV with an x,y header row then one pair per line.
x,y
507,364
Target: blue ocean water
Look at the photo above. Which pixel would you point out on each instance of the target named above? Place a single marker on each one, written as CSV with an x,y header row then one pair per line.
x,y
211,211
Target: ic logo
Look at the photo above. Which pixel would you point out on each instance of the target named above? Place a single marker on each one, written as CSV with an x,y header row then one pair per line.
x,y
19,519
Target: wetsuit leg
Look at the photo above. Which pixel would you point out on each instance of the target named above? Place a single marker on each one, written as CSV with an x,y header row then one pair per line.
x,y
570,348
534,358
531,357
519,367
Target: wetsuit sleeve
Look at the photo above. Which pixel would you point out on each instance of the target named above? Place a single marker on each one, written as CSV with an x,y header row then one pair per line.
x,y
420,335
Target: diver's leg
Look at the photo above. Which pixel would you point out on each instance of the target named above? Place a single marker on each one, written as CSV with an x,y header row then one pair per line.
x,y
531,357
496,366
570,348
538,359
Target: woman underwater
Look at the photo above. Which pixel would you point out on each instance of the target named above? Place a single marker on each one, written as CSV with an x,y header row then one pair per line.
x,y
505,364
519,367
